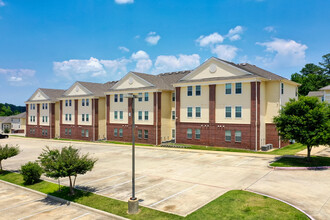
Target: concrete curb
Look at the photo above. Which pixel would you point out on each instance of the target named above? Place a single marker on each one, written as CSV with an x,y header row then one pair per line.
x,y
300,168
272,197
66,201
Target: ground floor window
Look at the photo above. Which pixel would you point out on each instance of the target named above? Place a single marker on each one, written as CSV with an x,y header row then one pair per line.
x,y
66,131
139,134
120,132
115,132
87,133
146,134
228,135
189,133
46,132
82,133
70,131
42,132
238,136
198,133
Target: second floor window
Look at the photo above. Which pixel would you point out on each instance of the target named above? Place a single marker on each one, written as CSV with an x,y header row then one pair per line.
x,y
189,112
228,88
189,91
116,114
66,117
173,115
198,90
140,115
121,115
238,112
228,111
146,97
146,115
87,117
83,117
69,117
238,88
198,112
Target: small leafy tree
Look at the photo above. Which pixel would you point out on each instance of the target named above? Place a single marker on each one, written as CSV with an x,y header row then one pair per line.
x,y
7,152
67,162
306,121
31,172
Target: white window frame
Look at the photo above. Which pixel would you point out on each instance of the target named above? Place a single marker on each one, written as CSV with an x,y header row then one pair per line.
x,y
231,112
226,136
236,88
231,88
241,111
191,112
240,136
200,112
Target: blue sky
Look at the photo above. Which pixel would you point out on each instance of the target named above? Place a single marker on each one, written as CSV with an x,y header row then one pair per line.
x,y
53,43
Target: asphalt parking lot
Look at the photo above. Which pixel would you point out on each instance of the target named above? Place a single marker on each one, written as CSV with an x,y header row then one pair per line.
x,y
181,182
17,203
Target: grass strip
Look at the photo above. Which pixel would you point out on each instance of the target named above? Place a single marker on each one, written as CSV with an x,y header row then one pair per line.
x,y
315,161
235,204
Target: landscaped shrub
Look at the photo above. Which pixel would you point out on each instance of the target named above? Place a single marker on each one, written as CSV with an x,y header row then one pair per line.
x,y
6,130
7,152
31,172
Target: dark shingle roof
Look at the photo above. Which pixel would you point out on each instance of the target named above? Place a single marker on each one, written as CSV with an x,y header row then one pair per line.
x,y
315,93
98,89
326,88
53,94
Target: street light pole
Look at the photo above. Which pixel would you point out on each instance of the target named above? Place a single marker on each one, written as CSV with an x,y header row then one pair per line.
x,y
133,202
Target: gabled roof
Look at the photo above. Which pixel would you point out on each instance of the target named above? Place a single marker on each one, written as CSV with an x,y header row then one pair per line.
x,y
315,93
52,94
21,115
94,89
326,88
7,119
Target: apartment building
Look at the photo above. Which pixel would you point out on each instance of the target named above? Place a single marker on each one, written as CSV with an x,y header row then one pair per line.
x,y
232,105
154,118
82,111
219,103
322,94
42,110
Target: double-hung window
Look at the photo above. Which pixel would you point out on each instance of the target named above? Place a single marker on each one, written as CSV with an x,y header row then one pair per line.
x,y
69,117
83,117
83,102
46,119
238,111
116,114
228,88
87,133
189,133
228,135
120,132
228,111
115,132
140,134
87,117
82,133
121,115
46,107
198,112
66,117
140,115
173,115
146,134
69,131
173,97
140,98
189,91
282,88
66,103
43,106
238,136
70,102
66,131
189,112
197,133
198,91
146,115
146,96
121,97
87,102
238,88
116,98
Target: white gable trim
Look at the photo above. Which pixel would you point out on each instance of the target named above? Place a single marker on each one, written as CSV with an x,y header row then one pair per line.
x,y
207,62
127,76
67,92
39,91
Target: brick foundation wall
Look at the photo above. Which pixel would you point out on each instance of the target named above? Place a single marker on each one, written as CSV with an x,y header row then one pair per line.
x,y
272,136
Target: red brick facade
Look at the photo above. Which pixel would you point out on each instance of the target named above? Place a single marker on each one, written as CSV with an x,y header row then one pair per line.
x,y
41,131
153,130
272,136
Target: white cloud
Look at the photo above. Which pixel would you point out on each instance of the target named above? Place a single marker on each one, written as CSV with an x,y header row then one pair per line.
x,y
287,52
234,33
152,38
123,49
19,77
116,67
235,37
121,2
226,52
270,29
2,3
143,62
172,63
210,39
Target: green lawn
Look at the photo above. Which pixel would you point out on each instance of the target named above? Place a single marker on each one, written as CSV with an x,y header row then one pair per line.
x,y
301,162
235,204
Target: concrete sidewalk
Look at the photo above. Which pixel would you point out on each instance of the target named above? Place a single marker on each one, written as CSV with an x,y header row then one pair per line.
x,y
316,151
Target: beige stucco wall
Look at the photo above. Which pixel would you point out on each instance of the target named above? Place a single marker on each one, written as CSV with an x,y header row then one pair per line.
x,y
68,110
118,106
166,120
85,110
223,100
57,119
272,100
145,106
32,112
44,113
194,101
222,70
102,118
263,104
23,124
327,96
289,93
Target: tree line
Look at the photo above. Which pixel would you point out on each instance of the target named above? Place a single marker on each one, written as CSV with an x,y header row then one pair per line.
x,y
10,109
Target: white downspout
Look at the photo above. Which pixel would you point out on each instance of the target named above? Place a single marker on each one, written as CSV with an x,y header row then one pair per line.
x,y
256,147
94,119
279,138
50,120
174,116
157,118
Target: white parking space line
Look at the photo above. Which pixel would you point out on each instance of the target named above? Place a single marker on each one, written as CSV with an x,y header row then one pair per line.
x,y
151,186
24,203
40,212
176,194
80,216
114,186
93,181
